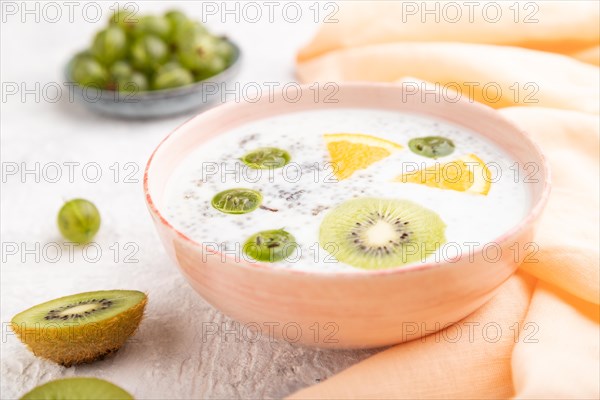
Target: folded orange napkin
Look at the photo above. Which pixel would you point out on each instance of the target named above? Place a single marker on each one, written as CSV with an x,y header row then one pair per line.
x,y
548,314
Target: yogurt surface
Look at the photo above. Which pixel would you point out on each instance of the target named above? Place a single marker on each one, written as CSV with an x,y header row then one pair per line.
x,y
298,196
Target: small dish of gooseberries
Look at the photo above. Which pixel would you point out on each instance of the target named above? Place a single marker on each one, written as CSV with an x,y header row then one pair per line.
x,y
148,66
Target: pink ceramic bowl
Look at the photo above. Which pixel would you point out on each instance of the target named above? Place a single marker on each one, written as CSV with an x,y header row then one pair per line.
x,y
349,310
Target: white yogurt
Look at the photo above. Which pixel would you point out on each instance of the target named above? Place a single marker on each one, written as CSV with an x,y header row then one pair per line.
x,y
306,189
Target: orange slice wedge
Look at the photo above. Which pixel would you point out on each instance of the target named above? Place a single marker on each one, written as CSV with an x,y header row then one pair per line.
x,y
466,174
351,152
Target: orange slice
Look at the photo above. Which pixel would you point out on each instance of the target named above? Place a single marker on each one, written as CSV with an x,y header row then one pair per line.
x,y
351,152
466,174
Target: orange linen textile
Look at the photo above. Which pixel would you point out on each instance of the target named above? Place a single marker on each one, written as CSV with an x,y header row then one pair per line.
x,y
548,313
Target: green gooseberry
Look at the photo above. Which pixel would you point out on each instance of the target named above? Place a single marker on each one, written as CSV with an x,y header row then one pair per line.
x,y
213,67
185,34
86,71
148,52
171,77
199,54
120,70
153,25
175,18
110,45
124,18
135,83
83,55
270,246
170,65
78,220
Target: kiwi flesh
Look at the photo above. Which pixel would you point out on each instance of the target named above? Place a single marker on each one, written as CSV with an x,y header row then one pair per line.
x,y
374,233
77,388
80,328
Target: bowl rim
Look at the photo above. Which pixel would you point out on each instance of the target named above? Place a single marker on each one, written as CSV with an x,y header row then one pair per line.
x,y
521,226
163,93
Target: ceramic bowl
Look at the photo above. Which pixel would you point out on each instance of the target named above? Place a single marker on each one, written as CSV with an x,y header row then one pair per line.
x,y
157,103
345,310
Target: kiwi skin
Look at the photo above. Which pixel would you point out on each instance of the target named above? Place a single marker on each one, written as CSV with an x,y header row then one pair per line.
x,y
77,388
77,343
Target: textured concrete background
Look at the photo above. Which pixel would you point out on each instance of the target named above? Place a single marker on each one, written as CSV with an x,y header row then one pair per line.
x,y
170,357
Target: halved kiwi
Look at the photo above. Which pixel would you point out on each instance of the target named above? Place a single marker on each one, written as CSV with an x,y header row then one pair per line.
x,y
373,233
77,388
80,328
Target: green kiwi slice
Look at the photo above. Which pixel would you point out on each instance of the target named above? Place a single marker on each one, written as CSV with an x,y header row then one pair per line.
x,y
77,388
270,246
373,233
431,146
237,201
266,157
80,328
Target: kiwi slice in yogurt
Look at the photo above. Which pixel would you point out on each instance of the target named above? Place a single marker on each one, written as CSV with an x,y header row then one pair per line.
x,y
266,158
374,233
270,246
431,146
237,201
